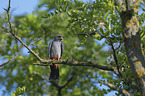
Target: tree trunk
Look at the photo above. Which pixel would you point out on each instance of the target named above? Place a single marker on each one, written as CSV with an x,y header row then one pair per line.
x,y
132,39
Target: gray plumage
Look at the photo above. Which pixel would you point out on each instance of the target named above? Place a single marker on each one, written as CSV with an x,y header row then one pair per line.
x,y
55,49
55,52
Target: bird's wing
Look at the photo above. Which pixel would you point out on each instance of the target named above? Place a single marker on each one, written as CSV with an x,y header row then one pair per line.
x,y
50,48
61,49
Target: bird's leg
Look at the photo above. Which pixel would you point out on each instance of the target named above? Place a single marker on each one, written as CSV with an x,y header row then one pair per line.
x,y
52,60
59,59
55,65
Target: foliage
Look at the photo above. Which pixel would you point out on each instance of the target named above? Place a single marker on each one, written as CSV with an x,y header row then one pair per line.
x,y
19,91
86,27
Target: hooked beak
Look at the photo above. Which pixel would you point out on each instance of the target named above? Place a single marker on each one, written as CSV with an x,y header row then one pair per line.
x,y
61,38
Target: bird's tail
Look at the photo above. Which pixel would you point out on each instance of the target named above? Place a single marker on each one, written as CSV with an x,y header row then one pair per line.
x,y
54,75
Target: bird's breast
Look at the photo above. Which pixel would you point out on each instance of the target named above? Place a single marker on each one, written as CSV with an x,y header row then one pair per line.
x,y
56,49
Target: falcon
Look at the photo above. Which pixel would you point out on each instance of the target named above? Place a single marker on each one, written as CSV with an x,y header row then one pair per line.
x,y
55,52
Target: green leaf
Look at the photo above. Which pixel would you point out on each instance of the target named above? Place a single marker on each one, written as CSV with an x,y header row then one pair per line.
x,y
19,91
106,15
143,9
56,11
51,13
13,93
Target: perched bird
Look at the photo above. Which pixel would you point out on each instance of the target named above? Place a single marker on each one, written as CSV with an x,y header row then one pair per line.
x,y
55,52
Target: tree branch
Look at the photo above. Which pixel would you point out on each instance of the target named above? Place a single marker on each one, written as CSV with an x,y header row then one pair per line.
x,y
114,51
103,36
59,88
113,87
16,37
74,63
2,65
68,81
34,41
115,57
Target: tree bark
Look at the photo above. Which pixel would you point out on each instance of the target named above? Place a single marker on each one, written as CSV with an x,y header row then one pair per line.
x,y
132,40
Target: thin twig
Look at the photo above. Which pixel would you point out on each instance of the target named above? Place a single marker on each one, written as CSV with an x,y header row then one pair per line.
x,y
2,65
93,33
115,57
119,46
68,81
114,52
113,87
54,83
34,41
42,77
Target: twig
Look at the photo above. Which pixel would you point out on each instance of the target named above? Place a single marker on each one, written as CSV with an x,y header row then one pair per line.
x,y
59,88
68,81
8,14
93,33
113,87
114,52
2,65
34,41
88,34
40,76
119,46
115,57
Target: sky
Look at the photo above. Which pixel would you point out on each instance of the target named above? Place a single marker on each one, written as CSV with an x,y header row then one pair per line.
x,y
20,7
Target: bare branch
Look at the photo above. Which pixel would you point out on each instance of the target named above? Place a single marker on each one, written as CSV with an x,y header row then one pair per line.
x,y
94,32
68,81
120,45
59,88
74,63
2,65
115,58
8,14
42,77
34,41
113,87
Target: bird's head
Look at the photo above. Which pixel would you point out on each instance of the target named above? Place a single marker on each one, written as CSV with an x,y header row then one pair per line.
x,y
58,38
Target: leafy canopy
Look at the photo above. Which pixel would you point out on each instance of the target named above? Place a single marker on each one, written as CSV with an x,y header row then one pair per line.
x,y
86,27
